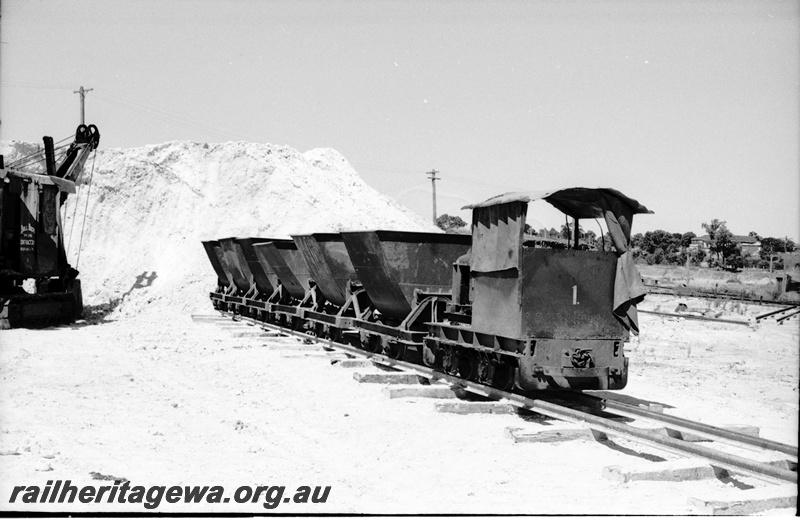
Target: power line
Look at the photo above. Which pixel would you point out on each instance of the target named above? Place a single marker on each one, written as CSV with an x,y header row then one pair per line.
x,y
170,117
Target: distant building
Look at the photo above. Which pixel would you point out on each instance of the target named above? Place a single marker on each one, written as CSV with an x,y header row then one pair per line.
x,y
749,244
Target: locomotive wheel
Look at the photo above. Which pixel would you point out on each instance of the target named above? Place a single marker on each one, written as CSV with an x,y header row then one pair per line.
x,y
468,365
503,377
485,371
449,361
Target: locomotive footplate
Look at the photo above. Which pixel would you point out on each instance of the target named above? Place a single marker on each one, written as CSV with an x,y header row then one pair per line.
x,y
542,363
468,338
574,364
390,331
573,372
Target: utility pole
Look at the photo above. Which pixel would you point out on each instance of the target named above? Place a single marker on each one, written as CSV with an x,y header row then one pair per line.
x,y
82,92
432,175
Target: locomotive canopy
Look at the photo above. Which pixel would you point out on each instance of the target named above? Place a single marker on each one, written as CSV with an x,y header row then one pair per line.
x,y
498,225
491,306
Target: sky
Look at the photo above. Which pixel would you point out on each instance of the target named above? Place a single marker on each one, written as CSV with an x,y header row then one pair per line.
x,y
690,107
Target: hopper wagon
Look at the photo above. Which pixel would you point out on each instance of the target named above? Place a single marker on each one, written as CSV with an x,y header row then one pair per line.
x,y
261,286
287,267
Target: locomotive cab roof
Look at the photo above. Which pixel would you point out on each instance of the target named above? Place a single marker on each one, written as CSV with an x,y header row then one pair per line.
x,y
577,202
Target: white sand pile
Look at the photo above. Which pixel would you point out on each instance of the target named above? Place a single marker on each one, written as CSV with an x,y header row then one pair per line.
x,y
150,207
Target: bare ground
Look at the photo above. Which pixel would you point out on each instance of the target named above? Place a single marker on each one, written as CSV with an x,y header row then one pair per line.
x,y
161,400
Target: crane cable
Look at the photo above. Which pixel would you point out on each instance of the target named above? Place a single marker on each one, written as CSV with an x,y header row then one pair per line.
x,y
27,159
72,224
85,209
36,158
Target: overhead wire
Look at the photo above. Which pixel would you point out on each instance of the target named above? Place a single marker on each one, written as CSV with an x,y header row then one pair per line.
x,y
165,115
41,85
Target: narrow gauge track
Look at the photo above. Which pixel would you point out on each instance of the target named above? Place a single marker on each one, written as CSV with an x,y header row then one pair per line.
x,y
777,313
683,425
722,296
545,405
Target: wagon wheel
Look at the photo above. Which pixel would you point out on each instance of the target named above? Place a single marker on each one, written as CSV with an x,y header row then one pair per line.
x,y
372,344
395,350
429,356
334,334
296,324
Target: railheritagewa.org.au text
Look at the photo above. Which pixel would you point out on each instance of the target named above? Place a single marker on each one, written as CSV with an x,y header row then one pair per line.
x,y
151,497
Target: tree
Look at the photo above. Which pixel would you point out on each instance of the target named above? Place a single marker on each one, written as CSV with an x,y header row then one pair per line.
x,y
771,246
727,250
686,239
590,238
566,231
661,247
713,227
605,243
697,256
450,224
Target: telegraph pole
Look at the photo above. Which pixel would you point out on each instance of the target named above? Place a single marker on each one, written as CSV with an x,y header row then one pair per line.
x,y
432,175
82,92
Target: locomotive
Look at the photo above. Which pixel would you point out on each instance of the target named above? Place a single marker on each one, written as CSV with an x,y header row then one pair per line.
x,y
497,306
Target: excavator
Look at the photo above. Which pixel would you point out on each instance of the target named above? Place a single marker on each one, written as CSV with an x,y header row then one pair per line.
x,y
38,286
